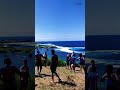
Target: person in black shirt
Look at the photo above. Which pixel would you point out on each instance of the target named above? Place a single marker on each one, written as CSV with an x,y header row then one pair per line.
x,y
54,63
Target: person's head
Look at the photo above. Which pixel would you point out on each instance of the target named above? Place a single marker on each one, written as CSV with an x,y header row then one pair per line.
x,y
25,62
7,61
53,51
38,52
80,55
92,62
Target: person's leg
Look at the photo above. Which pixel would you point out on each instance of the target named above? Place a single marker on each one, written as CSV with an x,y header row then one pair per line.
x,y
40,67
74,67
37,68
57,76
52,77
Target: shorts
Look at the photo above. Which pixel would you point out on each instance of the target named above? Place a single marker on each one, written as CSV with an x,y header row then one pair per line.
x,y
39,64
67,62
53,69
81,63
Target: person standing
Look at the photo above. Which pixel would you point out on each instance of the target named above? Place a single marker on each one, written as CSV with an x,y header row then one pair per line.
x,y
81,59
68,61
54,64
73,60
8,75
24,76
39,62
45,58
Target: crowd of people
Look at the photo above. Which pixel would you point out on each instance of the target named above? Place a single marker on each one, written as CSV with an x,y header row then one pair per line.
x,y
110,78
8,75
70,62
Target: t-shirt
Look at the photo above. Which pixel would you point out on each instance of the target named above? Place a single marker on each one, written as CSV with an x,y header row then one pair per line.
x,y
54,60
73,60
24,72
38,58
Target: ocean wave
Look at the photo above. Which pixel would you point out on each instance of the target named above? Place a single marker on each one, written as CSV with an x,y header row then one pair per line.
x,y
66,49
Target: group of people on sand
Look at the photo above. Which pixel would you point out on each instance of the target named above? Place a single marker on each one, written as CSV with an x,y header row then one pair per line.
x,y
8,75
71,61
111,77
53,66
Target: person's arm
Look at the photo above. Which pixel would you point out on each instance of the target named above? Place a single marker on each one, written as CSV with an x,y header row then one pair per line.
x,y
88,69
16,70
116,77
104,76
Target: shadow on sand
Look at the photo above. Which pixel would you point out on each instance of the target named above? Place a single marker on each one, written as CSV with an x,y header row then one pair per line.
x,y
67,83
42,75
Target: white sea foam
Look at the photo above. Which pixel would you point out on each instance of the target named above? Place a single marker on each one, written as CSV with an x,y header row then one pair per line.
x,y
66,49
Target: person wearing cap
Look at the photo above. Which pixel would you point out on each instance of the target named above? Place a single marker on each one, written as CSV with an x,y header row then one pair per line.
x,y
7,74
24,76
53,66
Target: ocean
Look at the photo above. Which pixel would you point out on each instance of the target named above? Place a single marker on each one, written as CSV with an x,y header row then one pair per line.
x,y
104,49
63,48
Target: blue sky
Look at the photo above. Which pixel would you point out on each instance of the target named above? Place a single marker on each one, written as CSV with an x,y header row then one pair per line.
x,y
59,20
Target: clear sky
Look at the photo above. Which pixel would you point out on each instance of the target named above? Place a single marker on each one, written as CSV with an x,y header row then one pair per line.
x,y
59,20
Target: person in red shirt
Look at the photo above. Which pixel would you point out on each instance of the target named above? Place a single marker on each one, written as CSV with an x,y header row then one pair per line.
x,y
39,61
24,76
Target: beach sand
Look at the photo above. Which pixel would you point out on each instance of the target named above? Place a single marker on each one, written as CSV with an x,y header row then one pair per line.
x,y
70,80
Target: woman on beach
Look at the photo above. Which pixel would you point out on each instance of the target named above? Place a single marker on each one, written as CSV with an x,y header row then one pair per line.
x,y
89,69
111,77
73,64
24,76
92,79
68,61
81,59
45,58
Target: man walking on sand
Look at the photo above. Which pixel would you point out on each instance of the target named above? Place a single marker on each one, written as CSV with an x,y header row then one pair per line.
x,y
53,66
